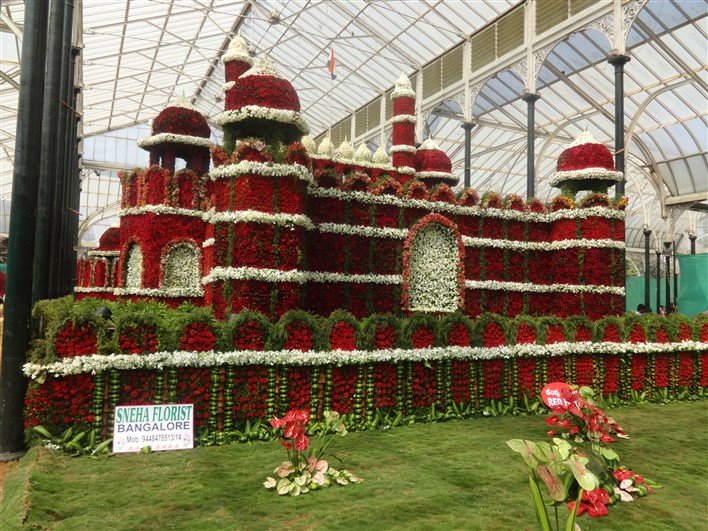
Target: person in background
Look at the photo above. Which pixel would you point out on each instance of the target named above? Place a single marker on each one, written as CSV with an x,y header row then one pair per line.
x,y
672,308
662,311
641,309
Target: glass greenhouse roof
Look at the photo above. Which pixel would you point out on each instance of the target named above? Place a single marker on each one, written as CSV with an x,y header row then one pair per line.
x,y
138,54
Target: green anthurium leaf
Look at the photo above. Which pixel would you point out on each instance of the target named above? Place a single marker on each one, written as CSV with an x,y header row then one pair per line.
x,y
563,446
553,483
586,479
543,452
527,449
609,454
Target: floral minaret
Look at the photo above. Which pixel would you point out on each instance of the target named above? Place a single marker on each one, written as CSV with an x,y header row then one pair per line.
x,y
258,223
162,227
179,131
587,165
403,148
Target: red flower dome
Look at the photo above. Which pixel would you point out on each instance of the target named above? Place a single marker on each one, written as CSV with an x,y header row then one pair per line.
x,y
179,123
263,94
110,240
263,86
585,159
181,118
432,164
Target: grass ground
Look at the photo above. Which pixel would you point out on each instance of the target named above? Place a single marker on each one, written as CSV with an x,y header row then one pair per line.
x,y
453,475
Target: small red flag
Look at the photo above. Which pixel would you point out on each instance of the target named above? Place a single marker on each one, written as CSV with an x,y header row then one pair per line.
x,y
330,67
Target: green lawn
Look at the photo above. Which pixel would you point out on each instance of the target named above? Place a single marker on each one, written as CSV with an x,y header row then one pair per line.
x,y
453,475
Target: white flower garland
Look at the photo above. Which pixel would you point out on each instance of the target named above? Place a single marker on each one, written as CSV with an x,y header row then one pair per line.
x,y
209,242
441,206
542,288
262,113
403,148
160,210
255,216
85,289
433,270
161,292
404,118
106,254
98,363
405,169
586,174
228,86
362,230
389,232
294,275
266,169
162,138
542,246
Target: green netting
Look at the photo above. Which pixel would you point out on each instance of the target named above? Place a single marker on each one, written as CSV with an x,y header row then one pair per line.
x,y
635,293
693,291
692,283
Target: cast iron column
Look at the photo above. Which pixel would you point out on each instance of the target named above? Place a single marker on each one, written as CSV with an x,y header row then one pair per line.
x,y
658,280
25,178
530,99
667,255
673,251
693,239
67,82
618,61
468,126
47,164
647,258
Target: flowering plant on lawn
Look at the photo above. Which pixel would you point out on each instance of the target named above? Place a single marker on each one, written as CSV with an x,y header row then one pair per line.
x,y
582,419
588,476
305,469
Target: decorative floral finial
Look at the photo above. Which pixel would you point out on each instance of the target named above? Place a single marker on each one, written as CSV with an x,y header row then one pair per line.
x,y
263,68
345,151
238,50
584,138
363,154
309,144
183,102
429,144
403,87
326,148
380,156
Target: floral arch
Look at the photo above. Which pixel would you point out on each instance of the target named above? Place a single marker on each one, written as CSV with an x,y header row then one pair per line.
x,y
433,273
180,266
134,267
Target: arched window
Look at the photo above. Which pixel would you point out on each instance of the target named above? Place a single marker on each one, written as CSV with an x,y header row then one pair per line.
x,y
134,267
433,276
180,267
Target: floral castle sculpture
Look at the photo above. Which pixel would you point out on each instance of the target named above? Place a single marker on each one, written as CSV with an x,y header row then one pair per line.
x,y
341,279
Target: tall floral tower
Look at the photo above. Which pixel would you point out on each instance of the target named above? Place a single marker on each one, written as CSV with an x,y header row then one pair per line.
x,y
403,148
162,227
258,222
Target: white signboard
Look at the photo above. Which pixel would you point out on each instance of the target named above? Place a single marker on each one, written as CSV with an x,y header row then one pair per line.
x,y
161,427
